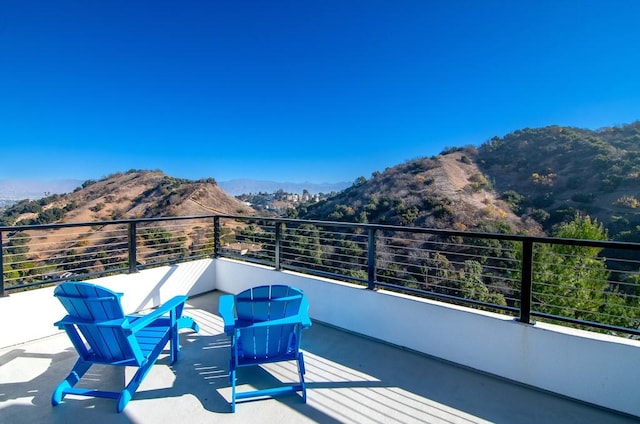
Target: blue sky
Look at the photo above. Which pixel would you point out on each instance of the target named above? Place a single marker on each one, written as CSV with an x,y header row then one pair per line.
x,y
318,91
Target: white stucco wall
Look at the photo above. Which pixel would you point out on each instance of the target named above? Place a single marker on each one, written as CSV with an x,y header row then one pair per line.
x,y
595,368
30,315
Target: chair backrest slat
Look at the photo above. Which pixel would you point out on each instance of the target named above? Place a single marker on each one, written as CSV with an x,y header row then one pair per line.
x,y
265,303
261,304
88,305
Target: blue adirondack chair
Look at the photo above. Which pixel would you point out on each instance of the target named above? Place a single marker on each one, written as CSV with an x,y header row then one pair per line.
x,y
265,325
102,334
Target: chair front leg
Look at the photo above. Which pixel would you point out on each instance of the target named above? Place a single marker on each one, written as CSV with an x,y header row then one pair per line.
x,y
232,377
127,394
78,370
301,372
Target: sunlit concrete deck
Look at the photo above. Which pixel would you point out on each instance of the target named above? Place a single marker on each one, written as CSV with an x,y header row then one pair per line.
x,y
351,379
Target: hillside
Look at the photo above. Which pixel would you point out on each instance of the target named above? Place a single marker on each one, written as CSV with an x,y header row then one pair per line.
x,y
526,182
552,173
448,191
134,194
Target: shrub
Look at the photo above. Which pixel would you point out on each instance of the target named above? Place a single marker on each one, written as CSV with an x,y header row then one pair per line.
x,y
627,201
479,182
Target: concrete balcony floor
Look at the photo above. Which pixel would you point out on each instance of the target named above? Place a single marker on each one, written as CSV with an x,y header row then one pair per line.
x,y
350,379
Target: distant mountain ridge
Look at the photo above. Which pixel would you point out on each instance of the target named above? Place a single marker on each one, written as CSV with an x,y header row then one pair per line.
x,y
18,189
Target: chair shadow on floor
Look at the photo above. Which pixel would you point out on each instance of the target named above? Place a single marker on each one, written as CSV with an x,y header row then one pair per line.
x,y
200,371
203,372
28,399
38,384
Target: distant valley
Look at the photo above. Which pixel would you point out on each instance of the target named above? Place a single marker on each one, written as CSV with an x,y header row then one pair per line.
x,y
18,189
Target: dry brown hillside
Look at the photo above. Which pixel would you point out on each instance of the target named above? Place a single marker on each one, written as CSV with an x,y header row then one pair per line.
x,y
134,194
447,191
146,194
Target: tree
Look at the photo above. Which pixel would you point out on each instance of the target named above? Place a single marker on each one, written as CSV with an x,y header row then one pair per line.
x,y
573,281
302,245
16,264
473,286
439,274
359,181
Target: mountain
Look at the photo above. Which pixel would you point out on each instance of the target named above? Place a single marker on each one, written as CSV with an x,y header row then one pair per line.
x,y
134,194
553,173
447,191
247,186
525,182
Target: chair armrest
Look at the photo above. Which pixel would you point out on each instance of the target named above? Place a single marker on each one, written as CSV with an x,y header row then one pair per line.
x,y
306,321
304,313
226,305
144,320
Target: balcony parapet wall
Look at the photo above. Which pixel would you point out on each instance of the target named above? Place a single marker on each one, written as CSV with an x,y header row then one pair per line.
x,y
587,366
30,315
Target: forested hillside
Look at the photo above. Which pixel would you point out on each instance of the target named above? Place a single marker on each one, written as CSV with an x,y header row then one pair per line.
x,y
528,182
553,173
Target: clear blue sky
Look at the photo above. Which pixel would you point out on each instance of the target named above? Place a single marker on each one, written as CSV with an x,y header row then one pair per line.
x,y
302,90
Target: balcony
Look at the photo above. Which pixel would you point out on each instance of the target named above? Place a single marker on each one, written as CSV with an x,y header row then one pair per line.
x,y
374,354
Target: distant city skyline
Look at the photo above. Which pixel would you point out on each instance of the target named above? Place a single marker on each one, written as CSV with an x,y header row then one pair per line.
x,y
19,189
314,91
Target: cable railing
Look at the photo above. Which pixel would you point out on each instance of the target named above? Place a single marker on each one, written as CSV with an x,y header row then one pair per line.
x,y
33,256
579,283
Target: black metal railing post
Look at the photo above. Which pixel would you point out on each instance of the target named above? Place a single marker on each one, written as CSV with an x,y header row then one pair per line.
x,y
526,282
133,248
278,243
216,236
371,260
2,294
